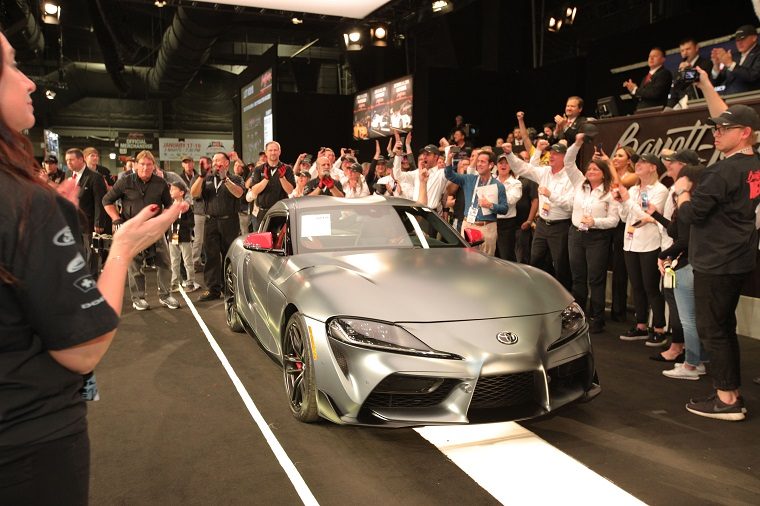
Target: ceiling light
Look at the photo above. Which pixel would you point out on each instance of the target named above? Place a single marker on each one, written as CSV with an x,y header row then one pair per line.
x,y
50,94
353,40
112,156
442,6
379,34
160,3
51,9
51,13
296,21
354,36
570,13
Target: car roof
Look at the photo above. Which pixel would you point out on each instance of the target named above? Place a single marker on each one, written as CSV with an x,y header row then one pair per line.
x,y
320,201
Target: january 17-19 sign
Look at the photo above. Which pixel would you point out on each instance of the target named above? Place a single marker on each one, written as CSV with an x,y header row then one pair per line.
x,y
384,109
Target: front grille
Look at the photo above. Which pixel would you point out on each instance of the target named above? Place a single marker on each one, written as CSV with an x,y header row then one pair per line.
x,y
503,391
390,393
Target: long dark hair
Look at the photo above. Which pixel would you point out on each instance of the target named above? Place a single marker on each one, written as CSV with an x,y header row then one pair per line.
x,y
606,172
18,164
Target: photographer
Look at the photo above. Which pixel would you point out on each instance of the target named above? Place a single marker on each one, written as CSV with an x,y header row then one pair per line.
x,y
138,191
683,84
324,184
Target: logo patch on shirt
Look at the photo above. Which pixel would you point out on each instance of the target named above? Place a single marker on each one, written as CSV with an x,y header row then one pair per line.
x,y
754,184
85,283
76,264
64,237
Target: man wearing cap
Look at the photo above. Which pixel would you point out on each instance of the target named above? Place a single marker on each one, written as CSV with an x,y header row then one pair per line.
x,y
482,204
738,73
188,171
355,186
654,87
55,176
555,208
323,184
436,182
722,250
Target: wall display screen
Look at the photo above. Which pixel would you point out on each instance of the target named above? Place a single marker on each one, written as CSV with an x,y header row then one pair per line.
x,y
384,109
256,116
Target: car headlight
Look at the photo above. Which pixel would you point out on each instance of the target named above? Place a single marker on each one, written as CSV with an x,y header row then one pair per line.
x,y
383,336
573,322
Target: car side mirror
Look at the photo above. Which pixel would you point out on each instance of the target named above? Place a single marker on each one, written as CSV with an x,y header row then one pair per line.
x,y
474,237
258,241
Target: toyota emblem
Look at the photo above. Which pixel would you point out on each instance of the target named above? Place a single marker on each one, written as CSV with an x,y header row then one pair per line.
x,y
506,337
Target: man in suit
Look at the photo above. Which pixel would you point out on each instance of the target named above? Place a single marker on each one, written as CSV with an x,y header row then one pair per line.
x,y
569,124
690,58
92,188
740,72
654,88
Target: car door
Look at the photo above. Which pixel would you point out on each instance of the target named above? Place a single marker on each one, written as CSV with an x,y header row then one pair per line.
x,y
260,266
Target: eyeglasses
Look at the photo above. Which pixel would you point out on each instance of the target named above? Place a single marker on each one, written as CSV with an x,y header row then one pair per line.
x,y
723,129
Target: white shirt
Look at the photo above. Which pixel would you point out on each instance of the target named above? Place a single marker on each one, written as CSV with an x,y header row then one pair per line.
x,y
513,188
76,175
410,183
645,237
362,190
558,206
595,203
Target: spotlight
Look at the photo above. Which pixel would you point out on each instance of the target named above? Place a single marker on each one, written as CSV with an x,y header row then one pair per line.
x,y
160,3
50,94
296,21
51,13
353,40
570,13
442,7
379,36
553,25
112,156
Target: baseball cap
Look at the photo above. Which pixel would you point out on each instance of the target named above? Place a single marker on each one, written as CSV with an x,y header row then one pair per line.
x,y
589,129
559,148
381,159
737,115
51,159
685,156
187,159
350,158
654,160
431,148
501,156
744,31
356,168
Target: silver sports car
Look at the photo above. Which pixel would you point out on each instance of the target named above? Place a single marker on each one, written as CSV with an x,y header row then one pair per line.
x,y
382,314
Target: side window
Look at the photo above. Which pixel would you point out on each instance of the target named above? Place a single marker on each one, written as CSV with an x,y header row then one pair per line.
x,y
278,226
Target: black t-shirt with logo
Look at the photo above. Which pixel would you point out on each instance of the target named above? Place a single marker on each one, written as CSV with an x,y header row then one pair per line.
x,y
53,304
314,184
273,192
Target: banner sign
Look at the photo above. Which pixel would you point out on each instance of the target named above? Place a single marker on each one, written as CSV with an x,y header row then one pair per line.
x,y
174,150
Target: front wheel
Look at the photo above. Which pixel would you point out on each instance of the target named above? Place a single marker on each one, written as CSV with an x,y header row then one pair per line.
x,y
298,371
230,301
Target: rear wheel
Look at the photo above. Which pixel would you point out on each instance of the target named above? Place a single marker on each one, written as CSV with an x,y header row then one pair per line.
x,y
298,371
230,301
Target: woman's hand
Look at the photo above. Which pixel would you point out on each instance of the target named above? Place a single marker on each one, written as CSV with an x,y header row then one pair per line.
x,y
145,229
69,190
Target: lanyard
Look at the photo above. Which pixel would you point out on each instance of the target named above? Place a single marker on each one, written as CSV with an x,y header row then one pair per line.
x,y
475,190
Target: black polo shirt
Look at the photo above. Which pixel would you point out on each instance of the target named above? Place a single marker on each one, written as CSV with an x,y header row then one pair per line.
x,y
56,177
135,194
273,191
54,304
217,198
314,184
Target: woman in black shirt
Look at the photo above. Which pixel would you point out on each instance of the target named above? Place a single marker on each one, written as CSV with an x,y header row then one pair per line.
x,y
56,321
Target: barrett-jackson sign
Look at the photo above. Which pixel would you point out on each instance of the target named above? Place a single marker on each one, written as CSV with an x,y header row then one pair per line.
x,y
653,132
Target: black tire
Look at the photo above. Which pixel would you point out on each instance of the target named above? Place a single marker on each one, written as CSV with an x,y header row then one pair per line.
x,y
298,371
230,302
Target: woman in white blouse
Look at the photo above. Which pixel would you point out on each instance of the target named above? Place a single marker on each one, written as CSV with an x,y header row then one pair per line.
x,y
506,224
641,245
595,214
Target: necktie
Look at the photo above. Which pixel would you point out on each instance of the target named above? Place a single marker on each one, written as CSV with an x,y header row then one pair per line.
x,y
647,78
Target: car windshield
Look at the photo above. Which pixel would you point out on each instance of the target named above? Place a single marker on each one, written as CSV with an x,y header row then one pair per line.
x,y
353,227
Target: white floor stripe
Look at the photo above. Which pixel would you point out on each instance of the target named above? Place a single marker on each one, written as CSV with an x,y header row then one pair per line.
x,y
519,468
295,477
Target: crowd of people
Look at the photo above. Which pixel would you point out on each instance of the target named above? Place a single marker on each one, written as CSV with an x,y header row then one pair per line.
x,y
683,235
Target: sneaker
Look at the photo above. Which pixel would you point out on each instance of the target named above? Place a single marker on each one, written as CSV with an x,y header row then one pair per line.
x,y
190,287
701,370
140,304
713,407
657,339
209,295
635,334
682,373
169,302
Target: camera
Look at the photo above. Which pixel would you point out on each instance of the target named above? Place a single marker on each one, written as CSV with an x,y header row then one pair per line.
x,y
307,159
380,188
686,77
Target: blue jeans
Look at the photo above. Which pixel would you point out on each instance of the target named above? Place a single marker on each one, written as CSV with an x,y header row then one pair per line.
x,y
684,292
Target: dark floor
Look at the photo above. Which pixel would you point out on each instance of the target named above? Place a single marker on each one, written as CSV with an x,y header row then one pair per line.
x,y
171,429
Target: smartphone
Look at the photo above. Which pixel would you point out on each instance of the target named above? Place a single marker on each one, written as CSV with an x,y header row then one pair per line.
x,y
454,149
600,147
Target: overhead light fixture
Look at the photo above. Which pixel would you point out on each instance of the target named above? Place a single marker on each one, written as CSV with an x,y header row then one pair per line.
x,y
442,6
379,34
51,13
296,21
50,94
353,40
554,24
112,156
570,13
160,3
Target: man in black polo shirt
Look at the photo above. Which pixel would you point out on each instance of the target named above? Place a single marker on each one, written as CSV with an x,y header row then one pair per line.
x,y
220,192
272,181
323,184
136,191
55,176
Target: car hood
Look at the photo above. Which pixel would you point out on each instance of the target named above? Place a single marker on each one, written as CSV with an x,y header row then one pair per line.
x,y
420,285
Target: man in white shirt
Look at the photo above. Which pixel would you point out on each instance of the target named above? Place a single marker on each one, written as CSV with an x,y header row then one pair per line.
x,y
555,204
436,183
